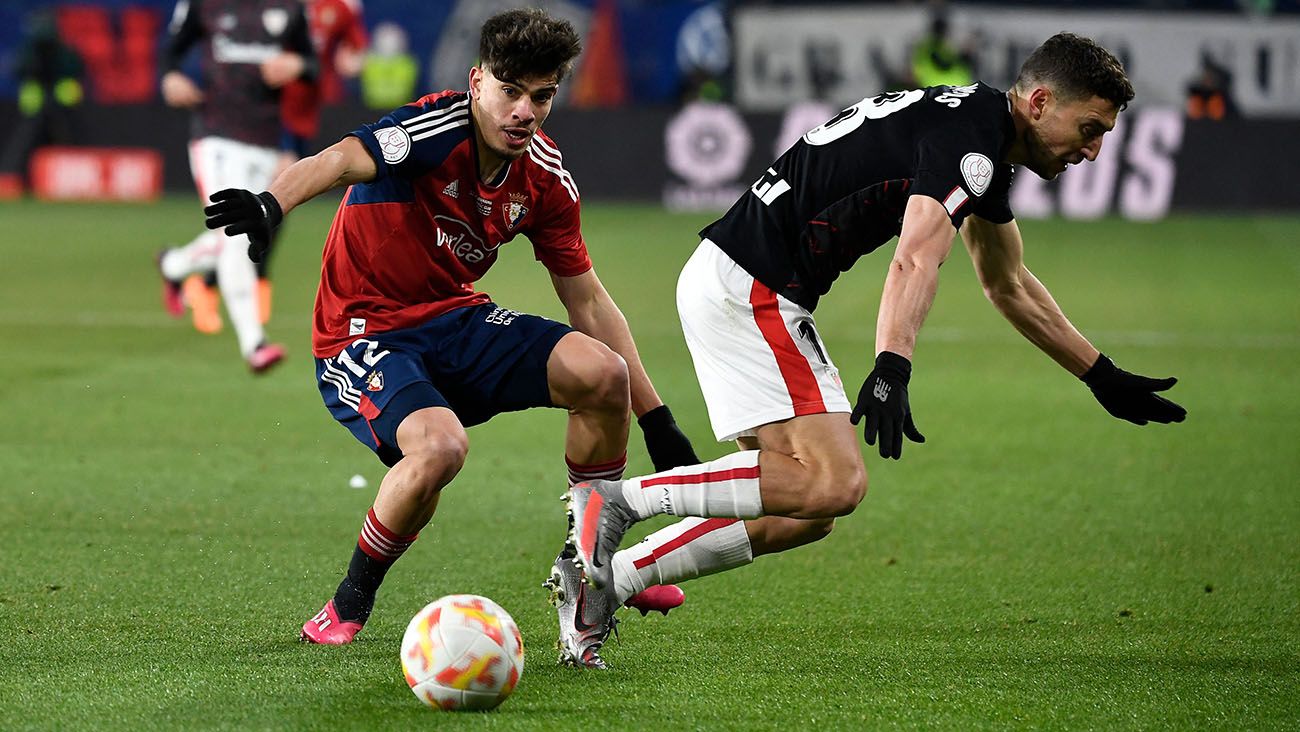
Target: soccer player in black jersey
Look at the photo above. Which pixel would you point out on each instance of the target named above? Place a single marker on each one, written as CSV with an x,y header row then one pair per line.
x,y
919,165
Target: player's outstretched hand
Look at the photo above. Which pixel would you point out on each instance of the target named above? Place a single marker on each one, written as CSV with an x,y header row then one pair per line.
x,y
1130,396
883,401
245,212
668,446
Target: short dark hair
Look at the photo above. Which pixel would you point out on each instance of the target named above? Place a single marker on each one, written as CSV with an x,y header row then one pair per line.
x,y
516,44
1077,68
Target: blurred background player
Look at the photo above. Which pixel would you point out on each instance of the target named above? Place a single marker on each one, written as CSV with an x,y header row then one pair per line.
x,y
409,355
339,35
919,165
250,50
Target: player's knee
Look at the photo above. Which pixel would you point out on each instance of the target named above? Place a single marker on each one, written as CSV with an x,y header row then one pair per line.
x,y
841,487
606,383
437,459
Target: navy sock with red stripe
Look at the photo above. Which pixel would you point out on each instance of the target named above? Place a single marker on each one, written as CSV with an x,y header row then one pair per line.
x,y
376,550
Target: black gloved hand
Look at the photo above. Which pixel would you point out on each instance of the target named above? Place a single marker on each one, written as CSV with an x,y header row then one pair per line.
x,y
244,212
1130,396
668,446
883,401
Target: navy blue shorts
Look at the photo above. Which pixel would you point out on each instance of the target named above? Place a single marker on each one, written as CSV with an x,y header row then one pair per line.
x,y
478,361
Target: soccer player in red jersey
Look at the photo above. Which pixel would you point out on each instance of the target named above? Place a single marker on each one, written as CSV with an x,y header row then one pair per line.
x,y
409,354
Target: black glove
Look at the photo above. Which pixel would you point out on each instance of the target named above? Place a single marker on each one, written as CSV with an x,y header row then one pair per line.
x,y
243,212
668,446
883,401
1130,396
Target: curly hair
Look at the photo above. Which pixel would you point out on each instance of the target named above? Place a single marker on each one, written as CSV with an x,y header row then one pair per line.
x,y
516,44
1077,68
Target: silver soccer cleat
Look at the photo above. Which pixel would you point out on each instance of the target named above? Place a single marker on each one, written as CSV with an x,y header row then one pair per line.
x,y
599,516
586,615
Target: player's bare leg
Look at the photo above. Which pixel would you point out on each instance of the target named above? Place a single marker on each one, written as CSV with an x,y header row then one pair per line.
x,y
592,382
807,467
434,446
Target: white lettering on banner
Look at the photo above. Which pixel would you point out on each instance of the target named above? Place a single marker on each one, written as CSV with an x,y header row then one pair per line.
x,y
864,45
1157,135
1087,189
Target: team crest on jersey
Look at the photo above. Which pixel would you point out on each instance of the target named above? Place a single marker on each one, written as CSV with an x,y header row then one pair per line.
x,y
515,210
394,143
375,381
452,189
275,20
978,172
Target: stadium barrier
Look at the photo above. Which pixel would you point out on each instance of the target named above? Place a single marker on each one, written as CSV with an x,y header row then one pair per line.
x,y
705,156
96,174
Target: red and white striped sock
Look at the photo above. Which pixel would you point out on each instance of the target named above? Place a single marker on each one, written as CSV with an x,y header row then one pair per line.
x,y
608,470
725,488
690,548
379,542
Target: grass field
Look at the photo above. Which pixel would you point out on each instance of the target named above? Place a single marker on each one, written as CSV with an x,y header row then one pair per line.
x,y
168,521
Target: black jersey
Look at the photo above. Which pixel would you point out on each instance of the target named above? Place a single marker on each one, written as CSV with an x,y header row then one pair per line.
x,y
840,191
236,37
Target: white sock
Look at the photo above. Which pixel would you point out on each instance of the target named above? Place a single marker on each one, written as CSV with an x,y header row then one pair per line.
x,y
238,281
690,548
200,255
726,487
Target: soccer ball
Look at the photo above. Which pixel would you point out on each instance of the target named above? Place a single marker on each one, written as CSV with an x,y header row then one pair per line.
x,y
462,652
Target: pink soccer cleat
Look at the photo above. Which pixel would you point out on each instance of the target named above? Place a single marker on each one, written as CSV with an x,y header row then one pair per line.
x,y
657,598
266,356
171,290
325,628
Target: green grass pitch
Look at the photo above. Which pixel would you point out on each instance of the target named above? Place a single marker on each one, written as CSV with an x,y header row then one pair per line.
x,y
168,521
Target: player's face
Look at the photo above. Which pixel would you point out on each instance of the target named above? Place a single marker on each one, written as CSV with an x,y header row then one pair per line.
x,y
509,112
1065,133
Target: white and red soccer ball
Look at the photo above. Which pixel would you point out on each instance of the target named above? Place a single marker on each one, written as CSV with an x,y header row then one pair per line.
x,y
462,652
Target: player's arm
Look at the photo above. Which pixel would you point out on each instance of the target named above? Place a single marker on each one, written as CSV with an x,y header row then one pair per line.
x,y
997,251
923,245
185,29
297,60
244,212
593,312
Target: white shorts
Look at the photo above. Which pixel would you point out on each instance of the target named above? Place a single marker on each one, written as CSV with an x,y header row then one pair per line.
x,y
218,163
757,355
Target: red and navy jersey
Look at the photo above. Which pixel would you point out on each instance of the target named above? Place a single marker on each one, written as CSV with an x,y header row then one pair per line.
x,y
840,191
408,246
236,37
333,23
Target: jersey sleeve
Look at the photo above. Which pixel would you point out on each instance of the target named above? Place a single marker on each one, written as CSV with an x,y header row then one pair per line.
x,y
955,166
995,206
557,236
412,140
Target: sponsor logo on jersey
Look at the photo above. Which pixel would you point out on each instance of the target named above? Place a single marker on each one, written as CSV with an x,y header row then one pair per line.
x,y
462,240
977,169
375,381
394,143
484,206
452,189
515,210
357,326
275,20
